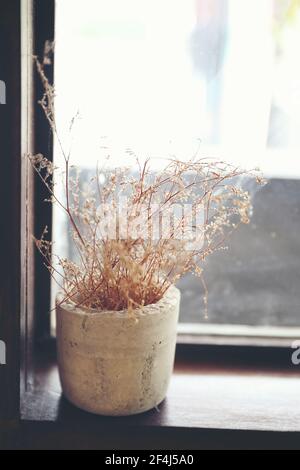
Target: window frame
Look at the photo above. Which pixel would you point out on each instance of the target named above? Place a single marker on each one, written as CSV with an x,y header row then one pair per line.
x,y
37,26
43,27
237,335
25,286
242,335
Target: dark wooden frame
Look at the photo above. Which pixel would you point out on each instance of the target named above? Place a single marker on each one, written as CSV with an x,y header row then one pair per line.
x,y
24,285
37,19
10,209
44,19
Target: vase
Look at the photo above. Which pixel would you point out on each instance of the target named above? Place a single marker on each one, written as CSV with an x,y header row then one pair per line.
x,y
117,363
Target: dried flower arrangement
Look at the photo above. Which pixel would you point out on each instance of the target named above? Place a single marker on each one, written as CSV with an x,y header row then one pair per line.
x,y
130,254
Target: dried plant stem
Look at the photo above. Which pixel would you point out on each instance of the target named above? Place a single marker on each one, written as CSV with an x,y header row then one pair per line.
x,y
146,255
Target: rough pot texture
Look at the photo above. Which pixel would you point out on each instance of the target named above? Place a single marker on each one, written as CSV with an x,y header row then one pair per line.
x,y
113,363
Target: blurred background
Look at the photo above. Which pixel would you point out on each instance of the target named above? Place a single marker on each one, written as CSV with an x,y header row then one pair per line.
x,y
162,76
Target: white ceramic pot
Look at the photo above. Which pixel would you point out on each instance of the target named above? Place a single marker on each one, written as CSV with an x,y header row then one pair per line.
x,y
111,363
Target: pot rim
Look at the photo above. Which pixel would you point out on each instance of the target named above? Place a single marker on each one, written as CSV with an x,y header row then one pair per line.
x,y
172,296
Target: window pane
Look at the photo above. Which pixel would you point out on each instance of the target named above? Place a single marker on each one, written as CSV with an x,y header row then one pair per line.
x,y
156,76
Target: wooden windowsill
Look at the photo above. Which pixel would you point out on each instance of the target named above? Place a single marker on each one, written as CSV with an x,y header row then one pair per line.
x,y
207,391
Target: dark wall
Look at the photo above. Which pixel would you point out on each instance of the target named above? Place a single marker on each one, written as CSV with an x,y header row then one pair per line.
x,y
10,175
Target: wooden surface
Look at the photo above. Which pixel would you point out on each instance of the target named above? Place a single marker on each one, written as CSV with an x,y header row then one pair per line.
x,y
202,395
218,399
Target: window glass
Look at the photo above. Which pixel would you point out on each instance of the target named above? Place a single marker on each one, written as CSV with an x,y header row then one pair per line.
x,y
160,76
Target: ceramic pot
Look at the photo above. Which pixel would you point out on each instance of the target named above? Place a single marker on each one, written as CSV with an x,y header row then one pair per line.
x,y
114,363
